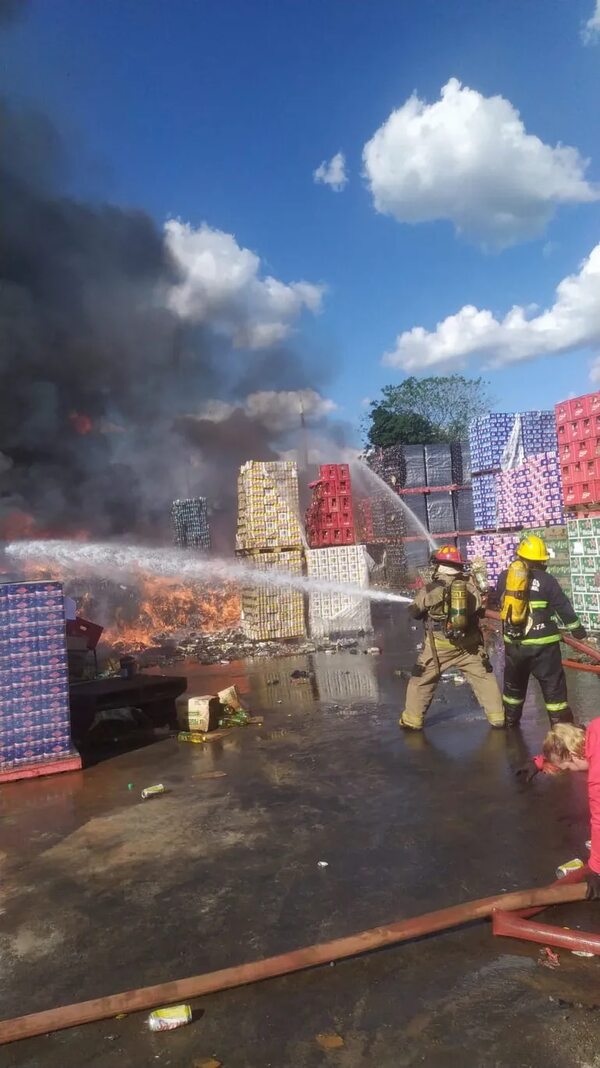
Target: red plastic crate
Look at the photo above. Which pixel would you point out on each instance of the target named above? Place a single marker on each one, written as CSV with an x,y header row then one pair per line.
x,y
571,494
590,492
567,452
594,403
567,474
336,472
579,407
568,432
562,413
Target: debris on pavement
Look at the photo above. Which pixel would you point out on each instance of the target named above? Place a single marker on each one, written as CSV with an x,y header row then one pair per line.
x,y
548,958
212,775
323,864
207,1062
582,953
568,866
327,1042
170,1018
153,791
374,650
198,713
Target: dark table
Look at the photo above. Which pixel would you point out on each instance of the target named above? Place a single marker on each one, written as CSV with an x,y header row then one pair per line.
x,y
154,694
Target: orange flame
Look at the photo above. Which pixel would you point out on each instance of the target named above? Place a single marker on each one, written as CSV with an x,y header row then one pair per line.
x,y
172,609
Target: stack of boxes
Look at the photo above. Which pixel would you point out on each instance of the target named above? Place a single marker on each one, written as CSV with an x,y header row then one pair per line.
x,y
338,613
584,555
190,523
269,533
578,431
488,438
530,495
274,612
35,725
268,506
433,483
330,517
497,550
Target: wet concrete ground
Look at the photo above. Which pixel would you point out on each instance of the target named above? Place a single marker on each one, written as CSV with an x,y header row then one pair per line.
x,y
103,892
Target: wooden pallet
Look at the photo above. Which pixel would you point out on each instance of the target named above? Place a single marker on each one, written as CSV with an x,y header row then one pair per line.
x,y
41,767
268,550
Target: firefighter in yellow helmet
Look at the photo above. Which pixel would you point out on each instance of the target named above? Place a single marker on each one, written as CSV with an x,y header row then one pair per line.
x,y
450,606
531,600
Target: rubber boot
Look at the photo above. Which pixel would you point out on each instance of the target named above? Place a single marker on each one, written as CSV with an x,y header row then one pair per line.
x,y
407,726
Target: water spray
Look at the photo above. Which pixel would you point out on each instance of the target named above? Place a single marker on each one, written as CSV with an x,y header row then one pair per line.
x,y
108,560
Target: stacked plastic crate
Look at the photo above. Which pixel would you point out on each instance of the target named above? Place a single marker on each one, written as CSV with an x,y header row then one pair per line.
x,y
578,430
190,523
269,534
35,724
332,612
330,517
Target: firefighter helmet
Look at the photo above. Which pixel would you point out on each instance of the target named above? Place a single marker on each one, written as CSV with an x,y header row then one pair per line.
x,y
447,554
534,549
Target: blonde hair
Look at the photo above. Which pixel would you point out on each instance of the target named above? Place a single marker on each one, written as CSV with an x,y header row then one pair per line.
x,y
564,742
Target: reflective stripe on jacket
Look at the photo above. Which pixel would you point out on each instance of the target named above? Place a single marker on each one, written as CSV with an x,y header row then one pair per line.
x,y
550,610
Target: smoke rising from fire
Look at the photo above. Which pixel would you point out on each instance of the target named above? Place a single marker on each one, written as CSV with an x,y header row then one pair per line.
x,y
116,339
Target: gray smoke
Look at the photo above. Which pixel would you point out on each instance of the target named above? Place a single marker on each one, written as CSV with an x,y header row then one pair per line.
x,y
100,382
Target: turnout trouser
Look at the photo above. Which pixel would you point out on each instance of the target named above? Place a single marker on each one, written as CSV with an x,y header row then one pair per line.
x,y
544,662
425,677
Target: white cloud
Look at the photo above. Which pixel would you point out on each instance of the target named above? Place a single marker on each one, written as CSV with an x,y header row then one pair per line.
x,y
333,173
277,410
591,30
220,284
573,322
469,159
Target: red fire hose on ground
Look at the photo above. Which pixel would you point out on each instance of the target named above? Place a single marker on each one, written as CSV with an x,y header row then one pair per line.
x,y
525,902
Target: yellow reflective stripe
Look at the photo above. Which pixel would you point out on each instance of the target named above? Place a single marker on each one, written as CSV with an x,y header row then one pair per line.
x,y
572,626
513,700
538,604
558,706
534,641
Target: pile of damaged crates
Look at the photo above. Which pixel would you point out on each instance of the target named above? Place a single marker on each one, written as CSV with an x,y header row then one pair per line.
x,y
433,484
35,723
269,537
578,431
516,487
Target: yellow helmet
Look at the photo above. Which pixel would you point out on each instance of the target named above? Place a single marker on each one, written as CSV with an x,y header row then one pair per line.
x,y
533,548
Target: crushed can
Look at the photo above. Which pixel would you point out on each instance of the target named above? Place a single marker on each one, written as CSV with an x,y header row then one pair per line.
x,y
569,866
153,791
169,1019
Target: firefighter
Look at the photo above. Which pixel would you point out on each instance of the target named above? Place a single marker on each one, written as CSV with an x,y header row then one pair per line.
x,y
530,601
450,606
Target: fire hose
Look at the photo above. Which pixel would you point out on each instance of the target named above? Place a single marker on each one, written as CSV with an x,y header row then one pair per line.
x,y
574,643
524,904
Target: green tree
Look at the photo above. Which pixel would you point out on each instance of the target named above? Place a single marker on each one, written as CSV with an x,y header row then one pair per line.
x,y
400,428
447,402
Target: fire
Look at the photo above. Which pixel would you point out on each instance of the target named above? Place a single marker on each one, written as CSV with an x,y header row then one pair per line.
x,y
18,525
81,423
149,608
172,609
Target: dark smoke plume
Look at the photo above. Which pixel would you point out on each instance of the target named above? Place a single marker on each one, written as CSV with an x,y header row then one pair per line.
x,y
97,376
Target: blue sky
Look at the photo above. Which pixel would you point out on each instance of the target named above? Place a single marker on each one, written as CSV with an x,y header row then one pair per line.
x,y
219,112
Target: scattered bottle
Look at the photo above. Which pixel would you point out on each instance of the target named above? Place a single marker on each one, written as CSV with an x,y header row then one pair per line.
x,y
153,791
169,1019
568,866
